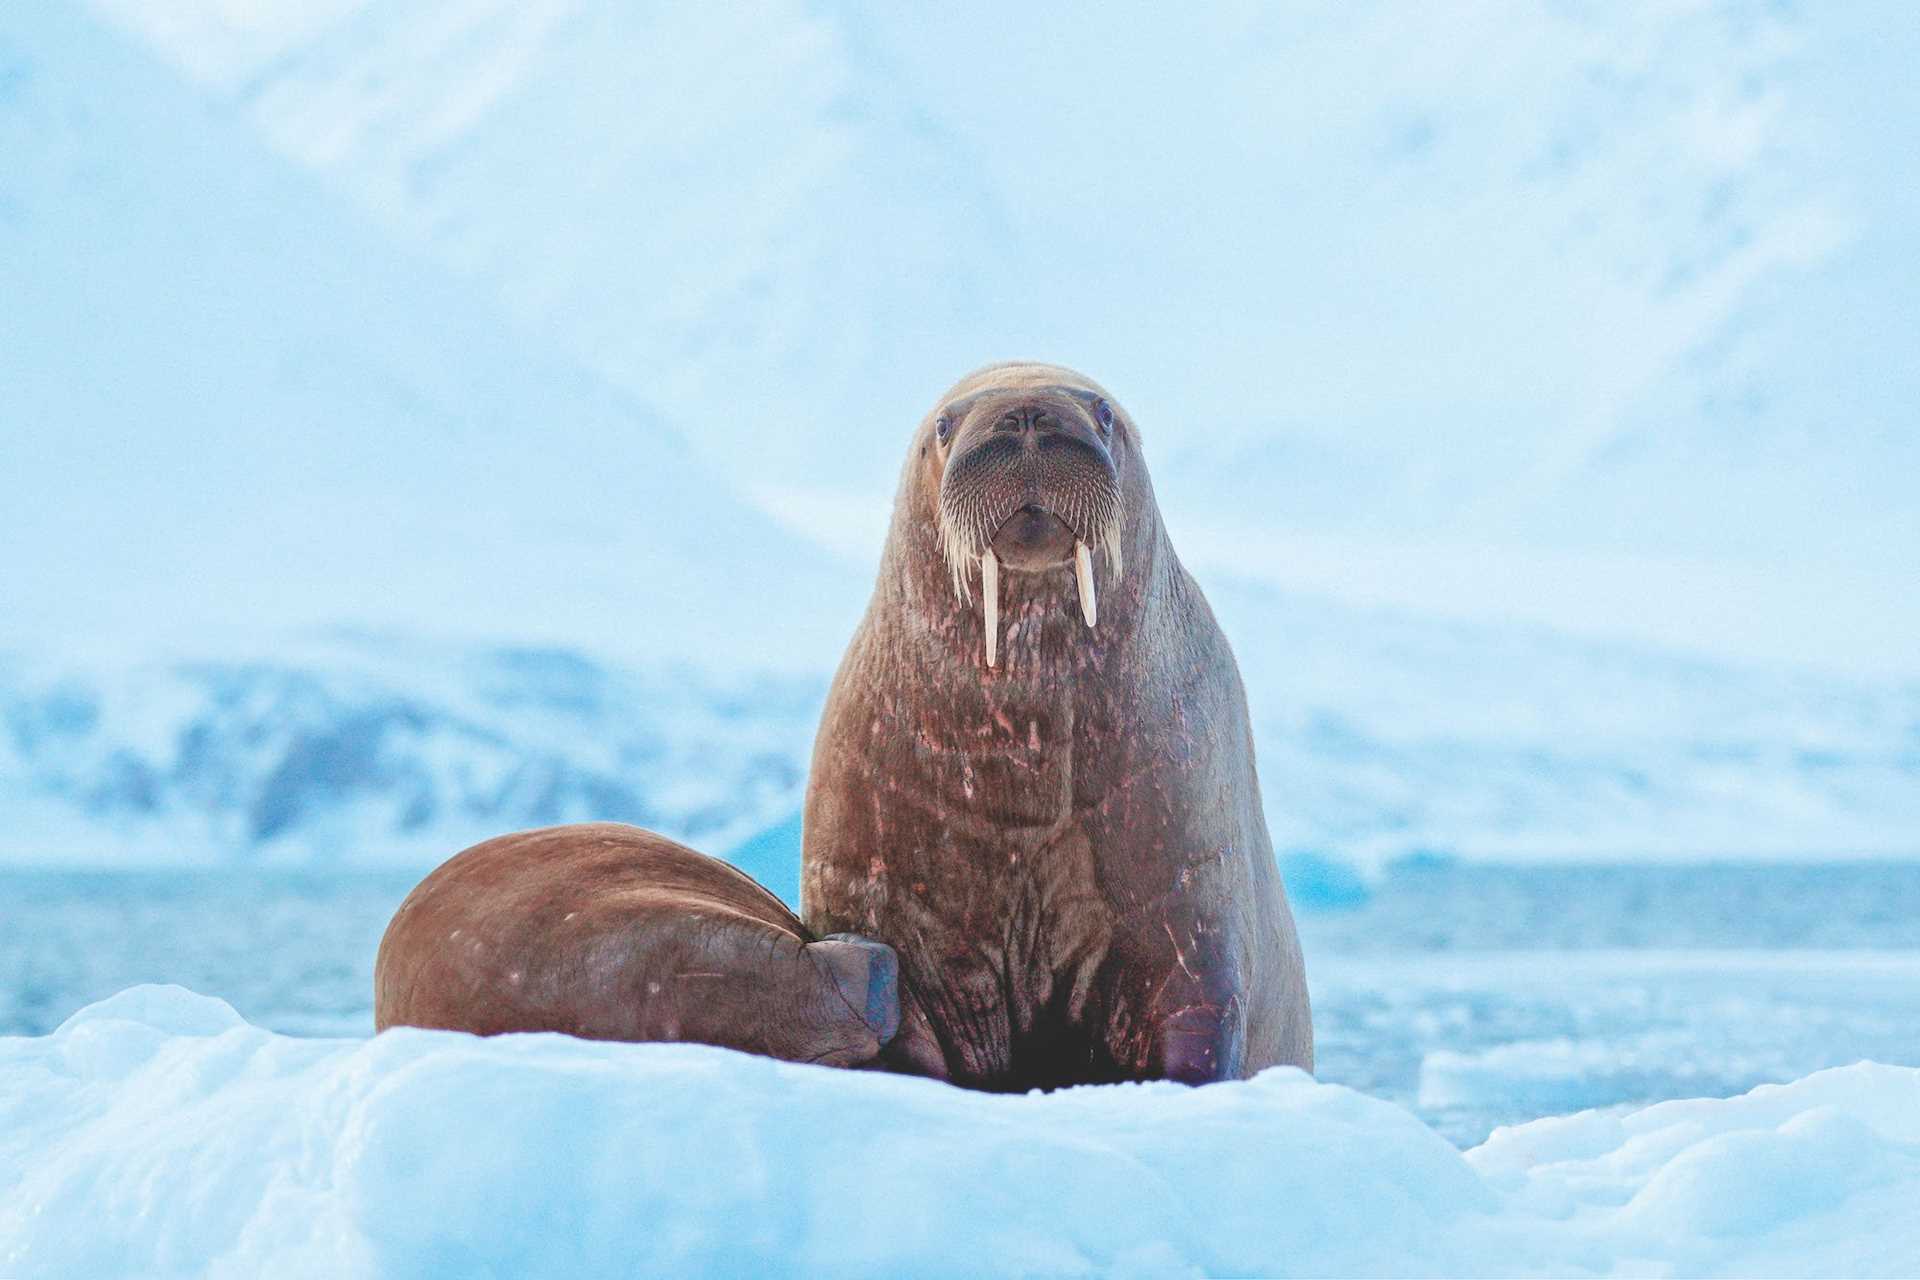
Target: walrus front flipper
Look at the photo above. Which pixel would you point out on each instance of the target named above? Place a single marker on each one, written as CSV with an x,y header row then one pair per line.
x,y
872,986
609,932
866,975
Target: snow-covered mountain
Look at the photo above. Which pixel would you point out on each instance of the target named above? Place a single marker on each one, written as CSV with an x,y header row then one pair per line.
x,y
1382,733
1595,293
228,403
1379,736
362,751
739,212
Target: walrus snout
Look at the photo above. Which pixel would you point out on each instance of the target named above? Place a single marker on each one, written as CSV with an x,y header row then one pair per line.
x,y
1046,446
1029,481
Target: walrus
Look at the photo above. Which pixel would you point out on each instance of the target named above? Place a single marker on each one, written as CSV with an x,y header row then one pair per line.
x,y
611,932
1043,795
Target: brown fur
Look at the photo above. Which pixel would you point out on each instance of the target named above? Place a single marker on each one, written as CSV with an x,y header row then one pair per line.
x,y
1067,851
613,933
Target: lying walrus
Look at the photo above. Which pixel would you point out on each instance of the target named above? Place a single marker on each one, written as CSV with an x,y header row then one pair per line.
x,y
613,933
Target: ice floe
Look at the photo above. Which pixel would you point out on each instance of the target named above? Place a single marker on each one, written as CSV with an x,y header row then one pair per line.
x,y
158,1133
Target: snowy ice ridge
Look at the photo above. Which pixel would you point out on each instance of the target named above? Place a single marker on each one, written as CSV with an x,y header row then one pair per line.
x,y
1380,735
159,1134
361,753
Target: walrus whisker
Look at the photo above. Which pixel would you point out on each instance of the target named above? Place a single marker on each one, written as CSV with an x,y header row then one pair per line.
x,y
977,500
958,556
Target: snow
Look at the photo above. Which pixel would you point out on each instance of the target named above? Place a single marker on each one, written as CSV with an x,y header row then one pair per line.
x,y
157,1133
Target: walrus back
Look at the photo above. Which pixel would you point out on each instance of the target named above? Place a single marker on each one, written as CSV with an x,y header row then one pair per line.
x,y
607,931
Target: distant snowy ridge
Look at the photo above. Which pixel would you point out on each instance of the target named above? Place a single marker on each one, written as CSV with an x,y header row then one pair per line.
x,y
351,754
158,1134
1377,735
1381,733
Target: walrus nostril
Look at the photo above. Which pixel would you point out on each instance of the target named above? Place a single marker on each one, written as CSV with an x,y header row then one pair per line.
x,y
1031,418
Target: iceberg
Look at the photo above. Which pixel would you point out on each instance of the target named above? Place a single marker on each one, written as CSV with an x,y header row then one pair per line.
x,y
158,1133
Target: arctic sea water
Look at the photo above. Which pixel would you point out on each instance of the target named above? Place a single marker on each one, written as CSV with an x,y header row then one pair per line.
x,y
1477,996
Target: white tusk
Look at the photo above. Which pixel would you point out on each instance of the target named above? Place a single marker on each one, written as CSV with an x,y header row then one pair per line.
x,y
1083,570
990,593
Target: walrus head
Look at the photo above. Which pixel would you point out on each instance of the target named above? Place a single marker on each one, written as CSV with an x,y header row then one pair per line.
x,y
1027,481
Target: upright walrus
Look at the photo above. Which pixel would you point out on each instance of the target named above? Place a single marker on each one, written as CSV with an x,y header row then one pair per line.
x,y
1042,797
610,932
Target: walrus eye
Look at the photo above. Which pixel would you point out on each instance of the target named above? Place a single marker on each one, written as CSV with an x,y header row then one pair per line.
x,y
1103,413
943,427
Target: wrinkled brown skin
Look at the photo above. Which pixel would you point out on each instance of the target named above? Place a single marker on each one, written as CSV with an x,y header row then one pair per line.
x,y
609,932
1068,851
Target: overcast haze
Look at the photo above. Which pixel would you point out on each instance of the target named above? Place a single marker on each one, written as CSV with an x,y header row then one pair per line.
x,y
1616,293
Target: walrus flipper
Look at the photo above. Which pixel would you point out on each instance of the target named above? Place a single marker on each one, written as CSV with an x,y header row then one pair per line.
x,y
889,1010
